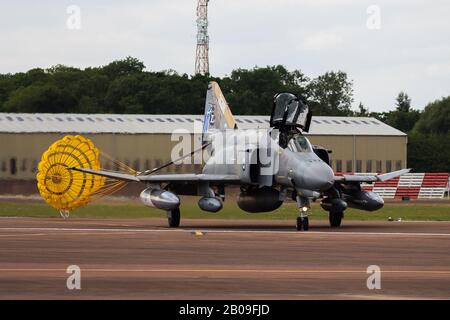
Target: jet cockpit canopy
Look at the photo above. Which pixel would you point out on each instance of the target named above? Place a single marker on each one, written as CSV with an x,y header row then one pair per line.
x,y
289,111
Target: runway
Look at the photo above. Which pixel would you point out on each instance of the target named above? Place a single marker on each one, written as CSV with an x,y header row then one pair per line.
x,y
222,259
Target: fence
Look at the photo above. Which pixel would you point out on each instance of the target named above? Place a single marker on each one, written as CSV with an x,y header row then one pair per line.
x,y
412,185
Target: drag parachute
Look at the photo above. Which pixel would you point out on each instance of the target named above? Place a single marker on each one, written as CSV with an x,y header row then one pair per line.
x,y
66,189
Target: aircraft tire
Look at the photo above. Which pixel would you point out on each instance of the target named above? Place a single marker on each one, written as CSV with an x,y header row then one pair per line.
x,y
302,224
335,218
174,218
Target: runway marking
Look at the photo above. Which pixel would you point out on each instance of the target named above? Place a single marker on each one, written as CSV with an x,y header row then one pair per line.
x,y
100,270
82,233
111,230
22,235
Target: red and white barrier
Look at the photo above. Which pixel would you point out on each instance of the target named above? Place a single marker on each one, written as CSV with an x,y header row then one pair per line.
x,y
412,185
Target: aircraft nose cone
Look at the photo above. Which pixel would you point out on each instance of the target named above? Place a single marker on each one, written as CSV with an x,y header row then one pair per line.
x,y
319,177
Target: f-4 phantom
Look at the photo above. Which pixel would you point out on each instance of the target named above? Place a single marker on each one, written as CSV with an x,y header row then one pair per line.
x,y
269,165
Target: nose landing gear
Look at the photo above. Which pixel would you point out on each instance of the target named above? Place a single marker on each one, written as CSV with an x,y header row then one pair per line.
x,y
304,207
302,223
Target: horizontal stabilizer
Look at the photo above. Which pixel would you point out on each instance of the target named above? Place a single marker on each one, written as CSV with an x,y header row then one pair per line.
x,y
391,175
188,177
374,178
109,174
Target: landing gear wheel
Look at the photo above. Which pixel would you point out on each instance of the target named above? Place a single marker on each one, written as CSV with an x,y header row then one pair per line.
x,y
174,217
335,218
302,223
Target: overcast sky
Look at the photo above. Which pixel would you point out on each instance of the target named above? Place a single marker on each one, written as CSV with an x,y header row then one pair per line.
x,y
409,51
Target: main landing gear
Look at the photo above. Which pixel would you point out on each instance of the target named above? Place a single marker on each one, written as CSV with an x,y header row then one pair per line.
x,y
303,220
174,218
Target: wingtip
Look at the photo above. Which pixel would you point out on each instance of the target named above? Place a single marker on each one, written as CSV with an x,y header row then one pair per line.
x,y
391,175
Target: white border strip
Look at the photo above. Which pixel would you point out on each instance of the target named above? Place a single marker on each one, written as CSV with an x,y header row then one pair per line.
x,y
303,233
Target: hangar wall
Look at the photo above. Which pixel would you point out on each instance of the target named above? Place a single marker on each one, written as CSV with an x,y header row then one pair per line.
x,y
365,153
21,152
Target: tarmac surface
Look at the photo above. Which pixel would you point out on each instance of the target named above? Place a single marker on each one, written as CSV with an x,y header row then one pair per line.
x,y
222,259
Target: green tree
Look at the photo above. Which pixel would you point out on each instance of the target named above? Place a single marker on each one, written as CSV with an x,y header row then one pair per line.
x,y
362,111
429,142
40,98
435,118
403,121
123,86
331,94
403,102
36,76
127,66
429,152
252,91
89,105
5,85
122,91
403,117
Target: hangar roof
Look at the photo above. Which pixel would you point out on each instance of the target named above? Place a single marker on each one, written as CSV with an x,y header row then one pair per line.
x,y
141,124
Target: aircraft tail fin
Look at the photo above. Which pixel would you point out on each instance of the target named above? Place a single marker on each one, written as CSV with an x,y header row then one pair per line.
x,y
217,112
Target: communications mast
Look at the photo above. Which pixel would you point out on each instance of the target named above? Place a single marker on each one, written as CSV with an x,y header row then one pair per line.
x,y
202,56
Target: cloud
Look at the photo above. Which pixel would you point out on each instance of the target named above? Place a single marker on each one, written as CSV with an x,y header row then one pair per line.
x,y
409,52
438,70
321,41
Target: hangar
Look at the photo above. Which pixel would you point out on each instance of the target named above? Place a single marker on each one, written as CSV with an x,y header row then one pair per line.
x,y
144,141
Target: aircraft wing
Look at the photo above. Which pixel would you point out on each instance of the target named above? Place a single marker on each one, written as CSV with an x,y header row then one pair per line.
x,y
189,177
381,177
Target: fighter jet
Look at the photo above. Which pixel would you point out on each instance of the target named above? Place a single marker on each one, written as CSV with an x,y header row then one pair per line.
x,y
269,165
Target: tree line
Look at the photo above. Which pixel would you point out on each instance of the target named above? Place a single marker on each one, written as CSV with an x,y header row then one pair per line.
x,y
124,86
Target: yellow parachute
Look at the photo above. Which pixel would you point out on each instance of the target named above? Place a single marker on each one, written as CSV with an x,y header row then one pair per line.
x,y
66,189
